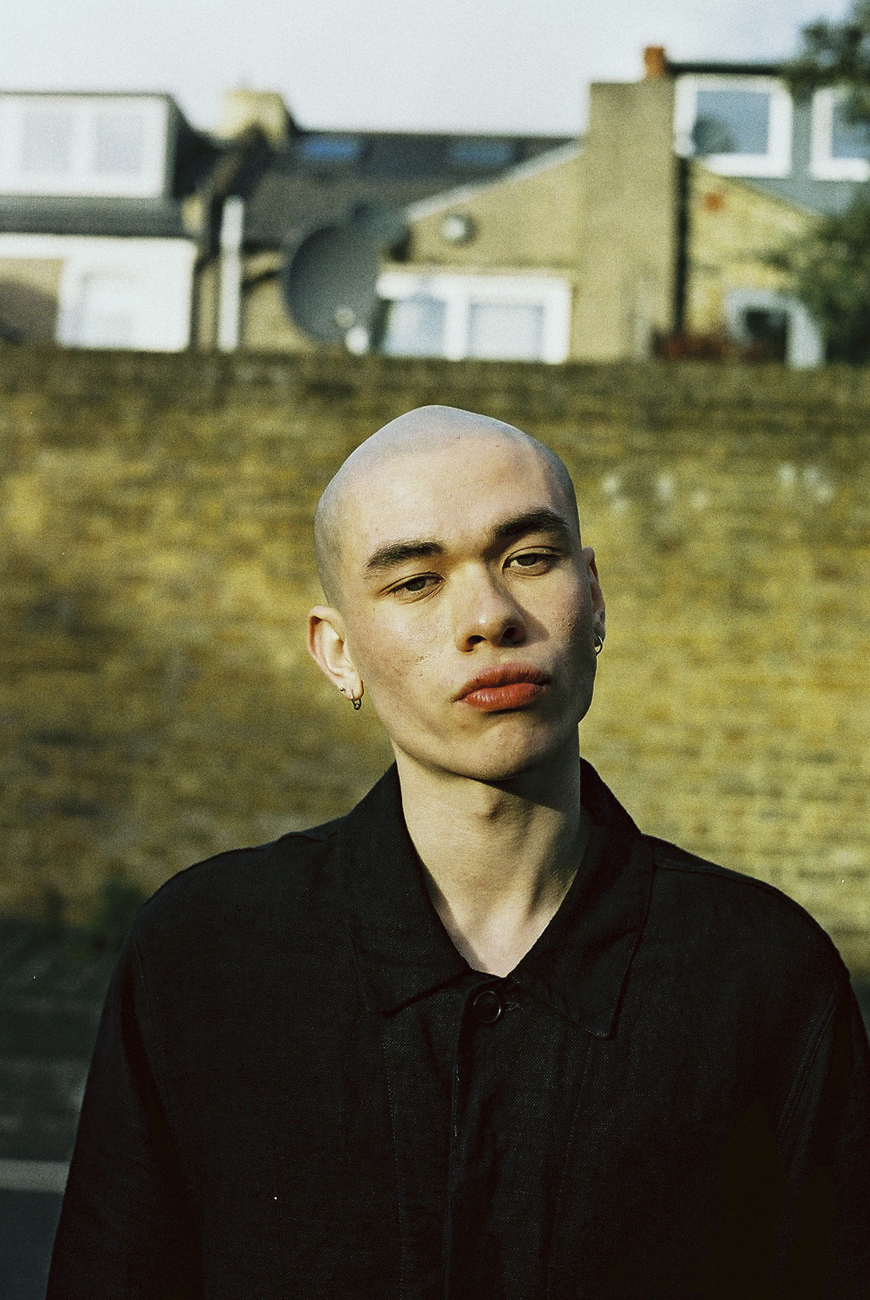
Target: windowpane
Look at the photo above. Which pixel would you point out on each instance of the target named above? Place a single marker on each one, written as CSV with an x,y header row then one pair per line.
x,y
506,331
46,142
483,153
119,145
107,311
848,139
330,148
732,121
415,327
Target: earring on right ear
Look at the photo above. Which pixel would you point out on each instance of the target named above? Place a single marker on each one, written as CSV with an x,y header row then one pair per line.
x,y
599,643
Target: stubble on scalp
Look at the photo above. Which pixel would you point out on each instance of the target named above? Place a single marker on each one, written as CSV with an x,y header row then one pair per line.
x,y
417,430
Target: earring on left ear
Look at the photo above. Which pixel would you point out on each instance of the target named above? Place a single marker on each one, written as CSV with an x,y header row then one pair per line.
x,y
599,643
356,700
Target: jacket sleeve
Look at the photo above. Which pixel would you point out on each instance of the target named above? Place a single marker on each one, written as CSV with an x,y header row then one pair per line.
x,y
128,1229
825,1140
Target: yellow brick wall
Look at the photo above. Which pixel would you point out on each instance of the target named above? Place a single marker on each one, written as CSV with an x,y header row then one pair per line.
x,y
155,695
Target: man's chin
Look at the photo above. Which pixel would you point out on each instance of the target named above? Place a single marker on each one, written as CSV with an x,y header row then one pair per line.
x,y
509,763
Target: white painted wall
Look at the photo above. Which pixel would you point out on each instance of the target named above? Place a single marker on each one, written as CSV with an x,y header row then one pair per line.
x,y
117,293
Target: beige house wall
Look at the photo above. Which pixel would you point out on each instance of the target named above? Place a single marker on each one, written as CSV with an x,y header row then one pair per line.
x,y
527,221
29,297
266,325
733,229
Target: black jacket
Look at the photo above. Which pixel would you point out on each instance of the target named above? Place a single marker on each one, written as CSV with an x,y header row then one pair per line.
x,y
297,1091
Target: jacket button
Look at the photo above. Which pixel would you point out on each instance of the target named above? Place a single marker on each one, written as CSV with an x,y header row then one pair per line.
x,y
487,1006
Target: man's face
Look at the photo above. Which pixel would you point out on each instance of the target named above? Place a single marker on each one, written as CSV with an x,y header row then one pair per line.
x,y
469,607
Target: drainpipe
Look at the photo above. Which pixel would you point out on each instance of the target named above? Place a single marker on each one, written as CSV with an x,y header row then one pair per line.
x,y
230,294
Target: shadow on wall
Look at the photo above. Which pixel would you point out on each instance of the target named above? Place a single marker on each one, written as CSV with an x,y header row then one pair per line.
x,y
138,747
27,314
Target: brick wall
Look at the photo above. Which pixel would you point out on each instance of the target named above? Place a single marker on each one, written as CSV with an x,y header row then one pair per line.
x,y
155,695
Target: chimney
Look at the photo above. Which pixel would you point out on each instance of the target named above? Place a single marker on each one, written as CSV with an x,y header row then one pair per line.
x,y
243,108
655,63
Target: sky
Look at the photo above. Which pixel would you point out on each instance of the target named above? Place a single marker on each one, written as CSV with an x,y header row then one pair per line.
x,y
446,65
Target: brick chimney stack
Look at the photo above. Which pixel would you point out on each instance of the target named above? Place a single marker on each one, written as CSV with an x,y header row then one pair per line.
x,y
655,63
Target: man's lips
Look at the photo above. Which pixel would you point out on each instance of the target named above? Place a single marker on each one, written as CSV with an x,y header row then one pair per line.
x,y
509,686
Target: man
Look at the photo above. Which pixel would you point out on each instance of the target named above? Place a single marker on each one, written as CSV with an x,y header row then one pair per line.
x,y
480,1039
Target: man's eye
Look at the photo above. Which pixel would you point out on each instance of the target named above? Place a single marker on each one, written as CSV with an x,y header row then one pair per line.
x,y
532,559
414,586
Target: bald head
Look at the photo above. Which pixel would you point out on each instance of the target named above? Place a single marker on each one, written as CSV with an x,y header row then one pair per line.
x,y
463,433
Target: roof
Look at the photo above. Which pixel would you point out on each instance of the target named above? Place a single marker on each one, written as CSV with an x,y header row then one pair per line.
x,y
710,69
319,177
130,218
191,156
316,178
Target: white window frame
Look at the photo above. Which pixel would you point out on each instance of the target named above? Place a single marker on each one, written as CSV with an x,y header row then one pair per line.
x,y
82,181
822,163
805,346
458,292
777,160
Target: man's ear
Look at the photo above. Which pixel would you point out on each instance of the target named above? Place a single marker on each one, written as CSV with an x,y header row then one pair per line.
x,y
327,645
598,610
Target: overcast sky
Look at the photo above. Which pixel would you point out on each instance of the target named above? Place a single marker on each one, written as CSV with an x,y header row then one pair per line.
x,y
468,65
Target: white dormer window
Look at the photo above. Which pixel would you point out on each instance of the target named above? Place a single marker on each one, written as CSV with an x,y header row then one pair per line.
x,y
840,149
739,126
83,145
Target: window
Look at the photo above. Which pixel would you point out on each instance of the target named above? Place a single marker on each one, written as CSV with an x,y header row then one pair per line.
x,y
740,126
119,143
840,149
83,145
47,142
483,153
776,326
508,318
512,330
330,148
415,327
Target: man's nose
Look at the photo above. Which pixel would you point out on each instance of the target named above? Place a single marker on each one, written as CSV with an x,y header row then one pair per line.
x,y
485,611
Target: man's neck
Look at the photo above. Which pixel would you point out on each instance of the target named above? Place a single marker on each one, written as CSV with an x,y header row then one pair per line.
x,y
499,857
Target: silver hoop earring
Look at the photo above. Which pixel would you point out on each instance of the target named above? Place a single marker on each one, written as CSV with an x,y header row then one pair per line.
x,y
599,643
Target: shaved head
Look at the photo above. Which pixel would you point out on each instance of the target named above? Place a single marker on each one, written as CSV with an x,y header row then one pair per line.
x,y
420,430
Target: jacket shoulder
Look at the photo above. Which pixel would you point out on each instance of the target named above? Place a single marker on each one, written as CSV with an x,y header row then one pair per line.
x,y
743,914
242,886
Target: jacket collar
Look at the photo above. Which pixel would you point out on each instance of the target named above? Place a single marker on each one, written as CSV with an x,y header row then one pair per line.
x,y
579,964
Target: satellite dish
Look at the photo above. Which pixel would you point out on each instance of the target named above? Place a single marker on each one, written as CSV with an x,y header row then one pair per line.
x,y
330,283
385,225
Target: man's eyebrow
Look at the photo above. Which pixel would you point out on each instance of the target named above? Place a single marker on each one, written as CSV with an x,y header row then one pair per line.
x,y
387,557
542,520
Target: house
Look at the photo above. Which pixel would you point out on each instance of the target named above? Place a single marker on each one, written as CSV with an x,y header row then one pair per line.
x,y
122,226
761,168
96,248
657,226
329,208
